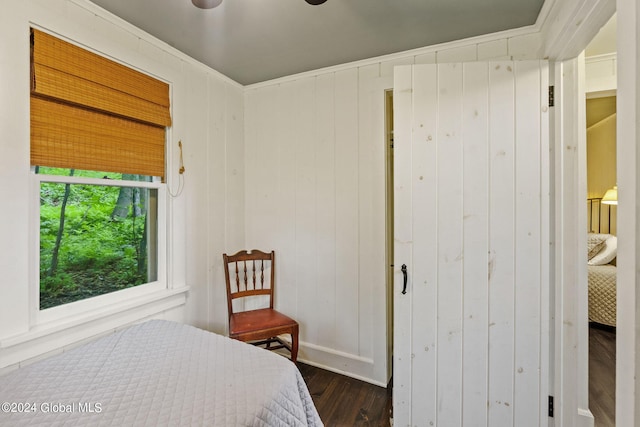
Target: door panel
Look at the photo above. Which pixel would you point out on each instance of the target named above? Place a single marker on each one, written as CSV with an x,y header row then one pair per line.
x,y
471,224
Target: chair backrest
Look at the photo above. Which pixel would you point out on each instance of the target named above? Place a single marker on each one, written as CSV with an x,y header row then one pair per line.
x,y
244,273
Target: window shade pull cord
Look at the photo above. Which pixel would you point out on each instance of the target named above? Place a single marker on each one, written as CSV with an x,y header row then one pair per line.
x,y
181,171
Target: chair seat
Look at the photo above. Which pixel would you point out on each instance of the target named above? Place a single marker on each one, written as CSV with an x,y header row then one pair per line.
x,y
258,324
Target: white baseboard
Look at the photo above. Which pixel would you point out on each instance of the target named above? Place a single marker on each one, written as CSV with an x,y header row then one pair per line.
x,y
351,365
585,418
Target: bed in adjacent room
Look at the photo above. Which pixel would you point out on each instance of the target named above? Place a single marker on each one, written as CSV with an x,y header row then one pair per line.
x,y
602,252
159,373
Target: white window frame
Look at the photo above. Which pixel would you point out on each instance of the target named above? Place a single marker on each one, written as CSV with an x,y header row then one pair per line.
x,y
93,306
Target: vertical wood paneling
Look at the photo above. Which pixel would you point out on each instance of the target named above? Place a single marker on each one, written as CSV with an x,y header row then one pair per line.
x,y
423,265
195,139
260,169
458,54
326,208
475,355
501,243
229,234
527,243
367,267
387,68
284,193
317,197
234,148
305,210
479,234
403,230
346,169
260,165
425,58
497,49
449,243
215,163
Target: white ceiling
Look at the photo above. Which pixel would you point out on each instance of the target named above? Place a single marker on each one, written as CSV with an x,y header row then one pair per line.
x,y
256,40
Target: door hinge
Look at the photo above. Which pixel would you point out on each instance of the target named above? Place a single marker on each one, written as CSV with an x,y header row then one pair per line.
x,y
551,406
551,96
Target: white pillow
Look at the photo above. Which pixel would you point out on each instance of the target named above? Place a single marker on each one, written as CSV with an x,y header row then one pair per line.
x,y
606,255
595,244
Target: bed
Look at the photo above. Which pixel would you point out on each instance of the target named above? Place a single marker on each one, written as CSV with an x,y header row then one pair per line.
x,y
602,294
159,373
602,252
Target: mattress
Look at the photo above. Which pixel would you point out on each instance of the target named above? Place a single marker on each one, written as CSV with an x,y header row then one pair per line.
x,y
602,294
159,373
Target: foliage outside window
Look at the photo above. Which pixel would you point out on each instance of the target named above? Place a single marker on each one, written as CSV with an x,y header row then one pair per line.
x,y
95,238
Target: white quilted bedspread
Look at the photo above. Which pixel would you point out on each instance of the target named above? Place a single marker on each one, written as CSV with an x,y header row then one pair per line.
x,y
159,373
602,294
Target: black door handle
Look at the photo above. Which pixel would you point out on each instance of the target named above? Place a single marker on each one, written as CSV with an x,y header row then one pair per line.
x,y
404,273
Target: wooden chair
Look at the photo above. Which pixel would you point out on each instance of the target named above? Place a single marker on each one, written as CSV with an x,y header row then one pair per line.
x,y
261,326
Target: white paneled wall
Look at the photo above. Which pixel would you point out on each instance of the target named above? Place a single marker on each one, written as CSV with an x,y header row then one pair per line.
x,y
312,189
315,193
213,192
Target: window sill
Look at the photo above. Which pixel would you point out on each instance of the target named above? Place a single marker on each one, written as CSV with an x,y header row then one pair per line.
x,y
161,300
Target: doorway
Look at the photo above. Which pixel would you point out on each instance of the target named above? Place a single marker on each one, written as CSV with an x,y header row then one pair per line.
x,y
601,269
600,87
388,113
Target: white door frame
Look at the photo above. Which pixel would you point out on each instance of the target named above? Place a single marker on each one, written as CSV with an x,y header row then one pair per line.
x,y
562,44
628,174
570,194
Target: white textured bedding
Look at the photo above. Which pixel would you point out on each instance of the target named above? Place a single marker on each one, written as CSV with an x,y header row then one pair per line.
x,y
602,294
159,373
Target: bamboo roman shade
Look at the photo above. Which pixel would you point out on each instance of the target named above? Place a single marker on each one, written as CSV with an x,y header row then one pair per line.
x,y
88,112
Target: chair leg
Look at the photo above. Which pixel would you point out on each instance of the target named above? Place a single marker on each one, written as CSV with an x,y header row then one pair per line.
x,y
294,344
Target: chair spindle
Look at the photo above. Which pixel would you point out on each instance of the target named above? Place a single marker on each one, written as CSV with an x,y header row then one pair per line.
x,y
246,279
237,278
254,274
262,274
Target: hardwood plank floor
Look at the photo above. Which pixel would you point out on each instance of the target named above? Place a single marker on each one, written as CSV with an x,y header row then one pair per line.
x,y
344,401
602,375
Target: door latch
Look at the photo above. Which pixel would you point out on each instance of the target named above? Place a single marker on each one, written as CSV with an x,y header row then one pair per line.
x,y
404,273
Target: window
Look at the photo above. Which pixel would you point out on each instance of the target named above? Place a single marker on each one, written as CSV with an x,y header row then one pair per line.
x,y
97,156
95,238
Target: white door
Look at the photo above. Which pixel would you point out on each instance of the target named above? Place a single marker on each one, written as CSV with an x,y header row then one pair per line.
x,y
471,333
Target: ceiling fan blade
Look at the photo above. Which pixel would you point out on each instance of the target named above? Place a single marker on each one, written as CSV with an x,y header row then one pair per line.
x,y
206,4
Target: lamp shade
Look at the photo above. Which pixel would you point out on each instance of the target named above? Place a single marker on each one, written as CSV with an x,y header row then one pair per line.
x,y
611,196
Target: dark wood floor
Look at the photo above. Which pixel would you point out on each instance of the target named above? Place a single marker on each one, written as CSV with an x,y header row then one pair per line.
x,y
344,401
602,375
